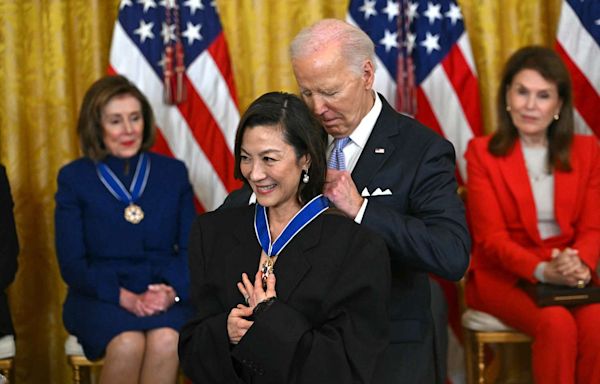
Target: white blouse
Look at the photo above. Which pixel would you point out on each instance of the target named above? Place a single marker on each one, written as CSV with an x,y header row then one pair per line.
x,y
542,187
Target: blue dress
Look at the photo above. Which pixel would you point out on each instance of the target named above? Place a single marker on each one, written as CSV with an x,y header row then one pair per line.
x,y
99,251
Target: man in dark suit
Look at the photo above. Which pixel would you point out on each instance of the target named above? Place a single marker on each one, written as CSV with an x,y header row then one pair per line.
x,y
9,248
397,179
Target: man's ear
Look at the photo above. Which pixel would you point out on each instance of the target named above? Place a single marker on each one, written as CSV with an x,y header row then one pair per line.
x,y
368,74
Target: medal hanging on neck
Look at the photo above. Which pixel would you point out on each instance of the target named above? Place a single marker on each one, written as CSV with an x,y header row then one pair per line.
x,y
261,227
133,213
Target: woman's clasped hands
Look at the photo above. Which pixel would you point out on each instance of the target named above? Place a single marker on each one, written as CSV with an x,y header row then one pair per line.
x,y
567,268
156,299
238,321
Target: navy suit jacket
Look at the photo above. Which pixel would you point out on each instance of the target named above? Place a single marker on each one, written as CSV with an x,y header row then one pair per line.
x,y
9,249
422,221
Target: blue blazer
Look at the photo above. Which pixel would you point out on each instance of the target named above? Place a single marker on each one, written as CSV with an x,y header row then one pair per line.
x,y
99,251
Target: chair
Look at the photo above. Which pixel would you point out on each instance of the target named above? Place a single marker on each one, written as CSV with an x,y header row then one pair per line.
x,y
7,354
77,359
479,329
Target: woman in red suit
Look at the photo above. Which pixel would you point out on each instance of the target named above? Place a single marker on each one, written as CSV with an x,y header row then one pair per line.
x,y
534,205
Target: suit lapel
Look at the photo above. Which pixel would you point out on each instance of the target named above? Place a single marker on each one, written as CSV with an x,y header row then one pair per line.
x,y
565,195
292,263
514,173
246,245
370,160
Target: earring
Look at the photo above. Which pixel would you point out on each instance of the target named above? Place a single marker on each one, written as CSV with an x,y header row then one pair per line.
x,y
556,116
305,177
508,108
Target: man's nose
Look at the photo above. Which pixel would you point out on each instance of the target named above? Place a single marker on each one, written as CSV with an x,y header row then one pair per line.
x,y
319,105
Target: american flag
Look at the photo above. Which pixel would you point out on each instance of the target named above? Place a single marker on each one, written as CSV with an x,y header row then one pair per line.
x,y
424,64
578,42
425,68
201,129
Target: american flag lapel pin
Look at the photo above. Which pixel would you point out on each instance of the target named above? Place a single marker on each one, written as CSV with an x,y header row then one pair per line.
x,y
379,150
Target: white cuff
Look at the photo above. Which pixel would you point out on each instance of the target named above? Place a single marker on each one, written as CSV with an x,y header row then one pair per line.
x,y
361,212
539,271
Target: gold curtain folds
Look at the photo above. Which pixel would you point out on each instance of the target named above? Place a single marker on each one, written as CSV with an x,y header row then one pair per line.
x,y
52,50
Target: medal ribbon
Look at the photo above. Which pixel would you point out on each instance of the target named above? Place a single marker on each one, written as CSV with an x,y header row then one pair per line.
x,y
307,214
117,189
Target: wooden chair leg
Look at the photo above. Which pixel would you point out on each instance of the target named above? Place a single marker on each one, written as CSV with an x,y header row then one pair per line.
x,y
6,368
469,354
76,374
480,362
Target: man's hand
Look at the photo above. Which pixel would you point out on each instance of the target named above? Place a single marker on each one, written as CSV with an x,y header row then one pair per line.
x,y
341,191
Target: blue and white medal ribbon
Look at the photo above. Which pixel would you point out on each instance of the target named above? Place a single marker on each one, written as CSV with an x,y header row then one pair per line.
x,y
261,227
133,213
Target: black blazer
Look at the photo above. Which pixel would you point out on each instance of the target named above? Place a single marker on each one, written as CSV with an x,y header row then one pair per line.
x,y
422,222
328,324
9,249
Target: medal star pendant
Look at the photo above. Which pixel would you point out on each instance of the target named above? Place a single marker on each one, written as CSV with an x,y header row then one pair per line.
x,y
266,269
133,214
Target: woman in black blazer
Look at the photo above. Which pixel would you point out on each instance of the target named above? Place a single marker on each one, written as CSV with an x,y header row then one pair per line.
x,y
310,306
9,249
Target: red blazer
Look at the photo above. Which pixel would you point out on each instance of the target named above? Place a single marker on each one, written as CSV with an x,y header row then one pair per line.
x,y
506,242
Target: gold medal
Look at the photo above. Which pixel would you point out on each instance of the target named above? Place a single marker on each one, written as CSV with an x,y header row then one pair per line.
x,y
133,213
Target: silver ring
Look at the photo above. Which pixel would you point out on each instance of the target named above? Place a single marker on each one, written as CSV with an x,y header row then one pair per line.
x,y
246,299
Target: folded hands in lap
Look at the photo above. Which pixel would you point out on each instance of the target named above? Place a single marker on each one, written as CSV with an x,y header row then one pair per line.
x,y
156,299
567,268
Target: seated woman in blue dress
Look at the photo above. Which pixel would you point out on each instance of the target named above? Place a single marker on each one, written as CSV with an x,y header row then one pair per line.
x,y
122,222
286,290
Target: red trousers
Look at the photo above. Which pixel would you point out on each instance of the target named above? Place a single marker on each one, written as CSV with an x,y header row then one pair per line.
x,y
566,341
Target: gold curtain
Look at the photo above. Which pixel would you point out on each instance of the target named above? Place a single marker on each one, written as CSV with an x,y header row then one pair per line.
x,y
52,50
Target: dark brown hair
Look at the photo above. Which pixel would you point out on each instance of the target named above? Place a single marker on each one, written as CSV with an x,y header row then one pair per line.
x,y
300,129
89,125
549,65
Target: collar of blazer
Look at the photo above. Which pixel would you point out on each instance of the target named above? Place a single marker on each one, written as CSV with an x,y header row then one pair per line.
x,y
514,172
291,265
